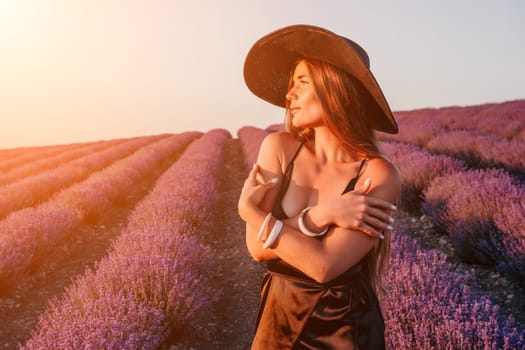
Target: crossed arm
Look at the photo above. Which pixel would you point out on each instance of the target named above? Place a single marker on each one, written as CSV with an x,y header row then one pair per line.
x,y
356,219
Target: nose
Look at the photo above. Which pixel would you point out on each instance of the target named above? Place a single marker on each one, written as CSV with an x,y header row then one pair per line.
x,y
291,95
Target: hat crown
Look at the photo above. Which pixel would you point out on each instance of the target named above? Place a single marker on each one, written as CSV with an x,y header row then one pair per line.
x,y
359,51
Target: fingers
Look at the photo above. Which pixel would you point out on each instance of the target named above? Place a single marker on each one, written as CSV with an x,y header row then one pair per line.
x,y
252,181
373,201
379,203
364,187
374,227
380,215
269,184
252,176
370,231
378,224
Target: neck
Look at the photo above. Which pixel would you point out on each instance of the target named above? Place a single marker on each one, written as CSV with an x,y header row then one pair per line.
x,y
328,150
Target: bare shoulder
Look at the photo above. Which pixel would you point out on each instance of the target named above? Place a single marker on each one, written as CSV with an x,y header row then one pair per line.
x,y
275,152
385,178
383,169
279,140
280,144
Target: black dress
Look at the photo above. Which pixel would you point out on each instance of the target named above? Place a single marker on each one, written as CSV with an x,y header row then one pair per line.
x,y
296,312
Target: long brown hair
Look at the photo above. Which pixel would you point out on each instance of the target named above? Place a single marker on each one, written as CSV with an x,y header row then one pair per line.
x,y
348,107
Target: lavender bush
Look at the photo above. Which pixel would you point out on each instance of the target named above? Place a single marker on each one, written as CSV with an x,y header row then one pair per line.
x,y
511,117
13,158
154,280
251,139
417,168
40,164
417,132
500,127
520,136
430,306
481,150
29,235
44,184
481,210
511,221
275,127
505,120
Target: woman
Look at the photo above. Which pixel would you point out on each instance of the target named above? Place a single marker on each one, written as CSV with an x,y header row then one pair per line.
x,y
317,204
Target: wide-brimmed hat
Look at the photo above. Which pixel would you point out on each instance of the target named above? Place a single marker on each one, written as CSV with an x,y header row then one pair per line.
x,y
272,58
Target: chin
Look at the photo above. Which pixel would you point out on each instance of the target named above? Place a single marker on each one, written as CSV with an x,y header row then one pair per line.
x,y
296,123
304,125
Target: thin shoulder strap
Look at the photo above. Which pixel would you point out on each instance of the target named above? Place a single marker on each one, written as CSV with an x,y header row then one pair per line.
x,y
351,184
277,209
361,166
290,164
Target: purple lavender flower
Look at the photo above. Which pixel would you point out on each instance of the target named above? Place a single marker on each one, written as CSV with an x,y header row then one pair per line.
x,y
479,209
154,281
429,306
251,139
418,168
31,234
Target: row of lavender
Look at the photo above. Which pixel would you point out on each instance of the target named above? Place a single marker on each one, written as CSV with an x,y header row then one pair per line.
x,y
251,139
10,157
35,162
505,120
478,150
482,210
30,235
155,277
428,304
459,136
34,189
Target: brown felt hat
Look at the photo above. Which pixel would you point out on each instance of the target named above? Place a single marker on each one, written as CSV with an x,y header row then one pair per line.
x,y
272,58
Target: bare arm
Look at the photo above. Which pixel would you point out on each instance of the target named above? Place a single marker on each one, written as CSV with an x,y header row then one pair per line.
x,y
325,258
269,166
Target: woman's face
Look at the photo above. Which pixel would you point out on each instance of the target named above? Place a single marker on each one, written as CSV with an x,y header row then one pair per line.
x,y
304,104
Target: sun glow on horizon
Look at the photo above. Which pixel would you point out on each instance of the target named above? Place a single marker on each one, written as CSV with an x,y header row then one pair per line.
x,y
84,70
14,19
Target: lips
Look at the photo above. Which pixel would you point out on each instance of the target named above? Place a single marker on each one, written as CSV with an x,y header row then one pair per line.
x,y
294,109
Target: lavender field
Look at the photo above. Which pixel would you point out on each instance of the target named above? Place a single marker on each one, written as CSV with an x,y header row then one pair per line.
x,y
136,243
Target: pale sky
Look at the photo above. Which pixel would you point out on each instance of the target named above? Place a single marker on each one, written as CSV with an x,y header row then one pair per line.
x,y
76,71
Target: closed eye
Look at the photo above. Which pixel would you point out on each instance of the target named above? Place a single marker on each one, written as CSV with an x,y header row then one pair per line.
x,y
303,79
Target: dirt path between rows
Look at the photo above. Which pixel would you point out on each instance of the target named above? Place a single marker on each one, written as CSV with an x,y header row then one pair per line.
x,y
231,325
22,304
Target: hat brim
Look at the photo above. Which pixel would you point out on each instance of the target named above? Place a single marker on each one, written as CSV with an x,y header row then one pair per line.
x,y
272,58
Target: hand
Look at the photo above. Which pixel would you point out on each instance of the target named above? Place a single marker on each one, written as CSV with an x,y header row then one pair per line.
x,y
253,192
358,211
